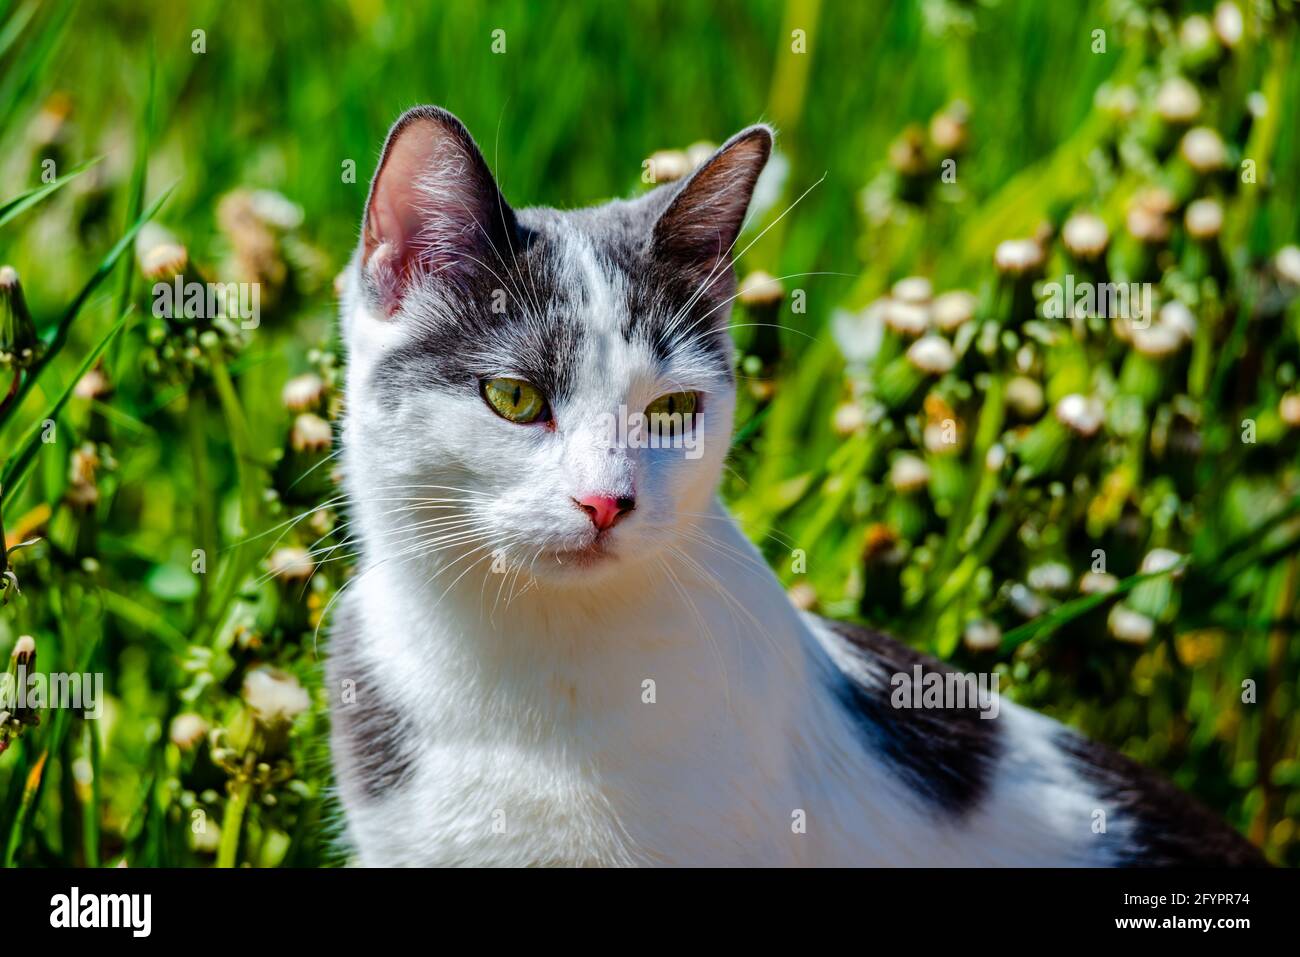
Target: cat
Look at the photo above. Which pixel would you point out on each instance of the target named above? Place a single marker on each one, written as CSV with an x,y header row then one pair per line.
x,y
560,649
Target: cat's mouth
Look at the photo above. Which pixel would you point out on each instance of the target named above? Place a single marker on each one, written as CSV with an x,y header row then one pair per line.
x,y
597,550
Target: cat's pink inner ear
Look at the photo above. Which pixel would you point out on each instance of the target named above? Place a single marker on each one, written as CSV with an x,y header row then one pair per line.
x,y
396,217
701,224
434,206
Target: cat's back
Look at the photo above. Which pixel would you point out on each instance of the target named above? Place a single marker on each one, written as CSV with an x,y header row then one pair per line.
x,y
1006,784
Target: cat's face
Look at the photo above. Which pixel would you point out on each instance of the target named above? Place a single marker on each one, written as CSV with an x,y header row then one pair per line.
x,y
546,390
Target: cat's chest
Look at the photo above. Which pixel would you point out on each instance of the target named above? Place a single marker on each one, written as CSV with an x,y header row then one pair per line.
x,y
653,754
595,800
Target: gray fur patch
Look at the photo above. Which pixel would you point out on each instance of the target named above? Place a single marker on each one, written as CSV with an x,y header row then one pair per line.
x,y
1170,828
520,311
369,736
948,756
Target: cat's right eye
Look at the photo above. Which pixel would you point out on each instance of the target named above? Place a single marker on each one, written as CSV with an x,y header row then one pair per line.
x,y
516,400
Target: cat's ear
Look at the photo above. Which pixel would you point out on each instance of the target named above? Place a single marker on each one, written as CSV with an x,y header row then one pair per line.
x,y
698,229
434,208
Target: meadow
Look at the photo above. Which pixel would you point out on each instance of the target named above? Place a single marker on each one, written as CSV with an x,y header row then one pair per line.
x,y
956,424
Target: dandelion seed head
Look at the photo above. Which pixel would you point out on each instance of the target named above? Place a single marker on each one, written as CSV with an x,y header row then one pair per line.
x,y
1288,409
1229,25
1098,583
1129,626
1085,235
303,392
1177,101
953,309
916,290
909,474
982,635
291,564
1017,257
759,288
907,318
932,354
310,433
1204,219
1159,560
275,696
1081,413
1203,149
1287,264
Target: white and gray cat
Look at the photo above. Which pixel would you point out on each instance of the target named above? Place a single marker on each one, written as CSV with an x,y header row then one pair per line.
x,y
561,650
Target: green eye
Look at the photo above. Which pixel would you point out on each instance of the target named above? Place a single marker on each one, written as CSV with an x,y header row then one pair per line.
x,y
515,399
674,403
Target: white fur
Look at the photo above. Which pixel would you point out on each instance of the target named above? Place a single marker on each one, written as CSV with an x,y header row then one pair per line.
x,y
525,690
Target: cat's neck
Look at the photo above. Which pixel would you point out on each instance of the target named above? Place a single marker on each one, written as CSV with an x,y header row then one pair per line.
x,y
710,613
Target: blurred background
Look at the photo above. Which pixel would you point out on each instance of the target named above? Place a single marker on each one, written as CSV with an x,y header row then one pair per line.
x,y
1104,509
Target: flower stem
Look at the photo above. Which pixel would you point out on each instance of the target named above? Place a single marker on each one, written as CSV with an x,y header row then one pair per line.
x,y
232,825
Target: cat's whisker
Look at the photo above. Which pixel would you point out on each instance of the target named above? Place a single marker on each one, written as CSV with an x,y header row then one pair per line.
x,y
286,524
780,538
732,602
453,508
696,566
356,577
704,628
501,213
328,458
394,561
415,540
468,568
514,566
696,534
445,488
725,260
532,578
399,530
732,298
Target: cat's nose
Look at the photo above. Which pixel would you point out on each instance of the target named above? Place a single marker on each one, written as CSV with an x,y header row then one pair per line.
x,y
605,510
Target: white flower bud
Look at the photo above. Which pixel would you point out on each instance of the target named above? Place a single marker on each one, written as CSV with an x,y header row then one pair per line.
x,y
1083,414
274,695
982,636
953,309
932,354
908,474
914,289
1178,101
1130,626
1085,235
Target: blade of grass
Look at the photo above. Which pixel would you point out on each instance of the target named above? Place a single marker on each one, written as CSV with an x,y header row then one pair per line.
x,y
90,810
31,788
24,201
21,77
146,619
242,556
59,338
16,466
139,177
35,779
1044,625
16,24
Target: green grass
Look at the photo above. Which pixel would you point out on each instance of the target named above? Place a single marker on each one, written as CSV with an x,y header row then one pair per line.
x,y
186,448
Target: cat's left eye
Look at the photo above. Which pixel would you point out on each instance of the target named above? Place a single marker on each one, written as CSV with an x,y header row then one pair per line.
x,y
675,405
516,400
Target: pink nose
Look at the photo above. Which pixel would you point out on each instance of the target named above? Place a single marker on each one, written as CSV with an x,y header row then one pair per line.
x,y
605,510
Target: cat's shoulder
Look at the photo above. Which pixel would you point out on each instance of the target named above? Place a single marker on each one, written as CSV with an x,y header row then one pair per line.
x,y
948,755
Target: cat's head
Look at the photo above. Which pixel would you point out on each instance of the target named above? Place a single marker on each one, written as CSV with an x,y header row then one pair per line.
x,y
494,352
